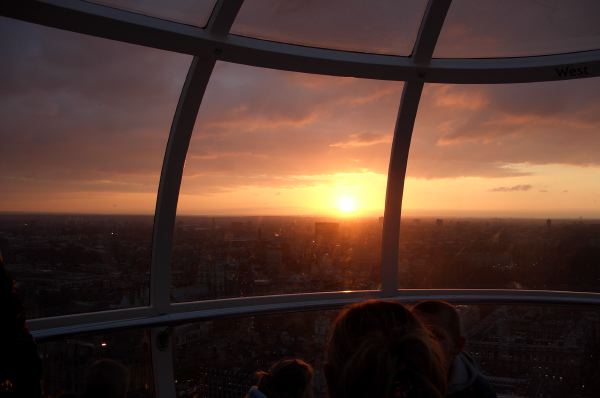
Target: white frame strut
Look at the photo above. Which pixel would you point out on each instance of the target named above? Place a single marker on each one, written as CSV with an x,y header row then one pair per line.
x,y
184,120
430,28
213,43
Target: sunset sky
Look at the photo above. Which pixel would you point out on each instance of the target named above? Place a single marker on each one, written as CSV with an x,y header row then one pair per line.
x,y
84,123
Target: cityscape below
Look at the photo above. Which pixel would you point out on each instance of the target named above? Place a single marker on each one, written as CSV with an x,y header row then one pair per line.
x,y
66,264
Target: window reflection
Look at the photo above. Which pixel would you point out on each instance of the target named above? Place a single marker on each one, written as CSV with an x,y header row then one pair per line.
x,y
501,188
219,358
193,12
485,29
284,184
66,362
536,350
381,26
84,124
523,350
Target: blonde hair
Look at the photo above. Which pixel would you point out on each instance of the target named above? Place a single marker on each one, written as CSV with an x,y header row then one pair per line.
x,y
380,349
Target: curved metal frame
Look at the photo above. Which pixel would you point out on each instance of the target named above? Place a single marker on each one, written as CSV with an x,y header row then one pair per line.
x,y
215,43
168,192
215,309
430,28
166,210
126,26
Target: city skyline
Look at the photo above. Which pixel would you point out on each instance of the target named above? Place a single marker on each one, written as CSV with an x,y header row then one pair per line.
x,y
493,112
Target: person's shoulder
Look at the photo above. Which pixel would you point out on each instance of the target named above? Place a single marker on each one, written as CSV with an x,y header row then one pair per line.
x,y
483,388
254,392
479,386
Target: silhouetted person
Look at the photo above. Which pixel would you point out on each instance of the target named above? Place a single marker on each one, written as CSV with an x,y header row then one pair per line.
x,y
106,379
464,378
379,349
20,364
288,378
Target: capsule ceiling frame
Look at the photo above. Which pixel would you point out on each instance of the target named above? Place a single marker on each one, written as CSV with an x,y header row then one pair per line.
x,y
214,43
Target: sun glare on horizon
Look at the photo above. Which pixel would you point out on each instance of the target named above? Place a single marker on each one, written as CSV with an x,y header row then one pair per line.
x,y
347,204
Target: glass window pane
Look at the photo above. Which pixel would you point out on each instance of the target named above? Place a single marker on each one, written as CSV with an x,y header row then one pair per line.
x,y
522,350
284,184
219,358
535,351
84,124
381,26
502,188
192,12
511,28
66,363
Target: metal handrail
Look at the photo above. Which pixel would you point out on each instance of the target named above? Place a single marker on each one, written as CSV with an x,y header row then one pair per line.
x,y
251,306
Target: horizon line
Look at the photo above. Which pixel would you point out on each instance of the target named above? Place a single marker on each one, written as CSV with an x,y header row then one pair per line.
x,y
348,217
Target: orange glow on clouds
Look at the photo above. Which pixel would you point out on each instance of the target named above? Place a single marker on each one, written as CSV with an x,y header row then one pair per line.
x,y
309,145
357,194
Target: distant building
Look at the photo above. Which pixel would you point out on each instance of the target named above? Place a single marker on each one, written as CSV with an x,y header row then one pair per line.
x,y
239,230
439,222
326,231
273,257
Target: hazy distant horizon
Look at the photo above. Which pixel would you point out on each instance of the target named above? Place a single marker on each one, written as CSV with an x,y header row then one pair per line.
x,y
320,216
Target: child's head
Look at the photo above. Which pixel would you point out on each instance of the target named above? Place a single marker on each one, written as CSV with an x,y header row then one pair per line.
x,y
106,378
444,322
288,378
380,349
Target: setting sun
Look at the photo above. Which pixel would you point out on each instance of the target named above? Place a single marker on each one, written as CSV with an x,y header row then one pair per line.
x,y
347,204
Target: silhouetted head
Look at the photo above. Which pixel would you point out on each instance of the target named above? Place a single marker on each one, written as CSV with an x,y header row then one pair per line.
x,y
20,365
11,310
289,378
106,378
444,322
380,349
